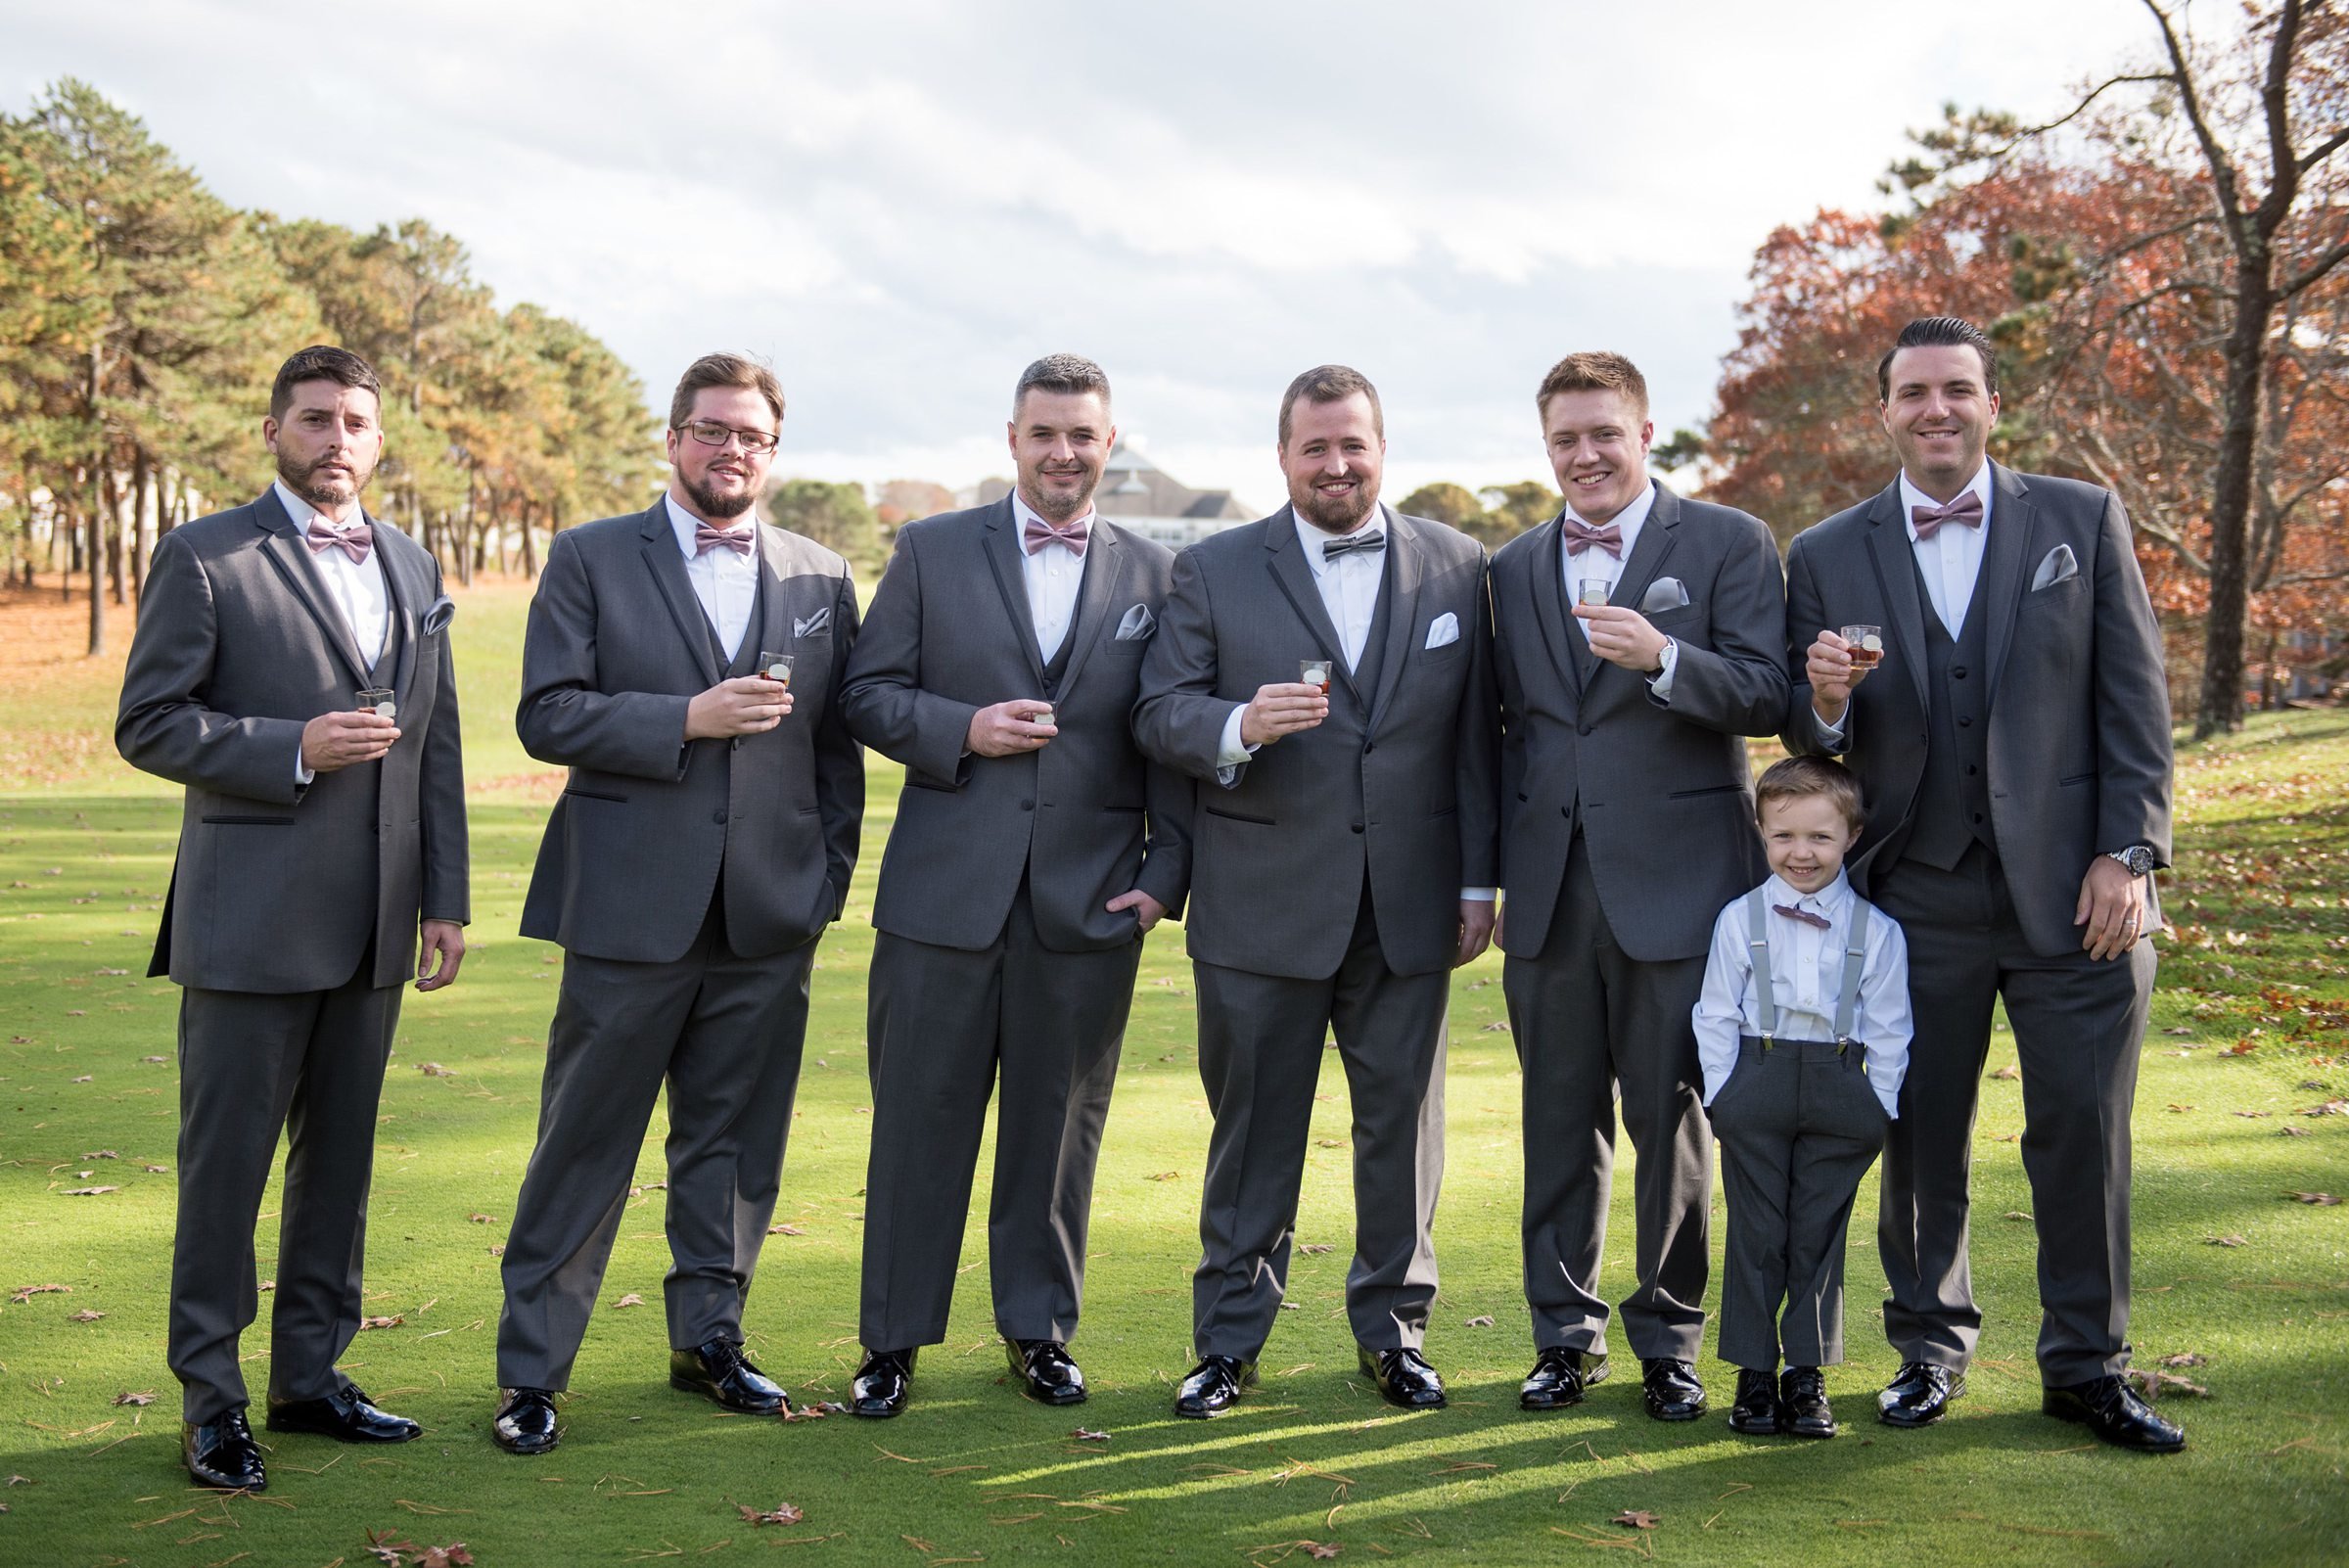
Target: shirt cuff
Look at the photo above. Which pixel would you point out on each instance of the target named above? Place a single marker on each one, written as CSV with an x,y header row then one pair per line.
x,y
303,774
1660,684
1479,895
1832,734
1233,750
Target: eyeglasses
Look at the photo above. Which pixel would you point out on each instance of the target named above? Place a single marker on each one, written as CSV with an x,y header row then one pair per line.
x,y
710,433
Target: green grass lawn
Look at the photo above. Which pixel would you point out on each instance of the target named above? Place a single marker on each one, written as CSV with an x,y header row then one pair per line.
x,y
2248,1039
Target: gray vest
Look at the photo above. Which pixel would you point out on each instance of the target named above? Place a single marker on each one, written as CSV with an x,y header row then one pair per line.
x,y
1953,799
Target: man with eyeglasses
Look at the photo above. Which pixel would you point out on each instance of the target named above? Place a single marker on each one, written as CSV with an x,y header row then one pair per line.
x,y
703,841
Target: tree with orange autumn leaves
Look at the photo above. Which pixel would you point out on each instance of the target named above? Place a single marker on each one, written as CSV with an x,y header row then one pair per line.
x,y
2172,319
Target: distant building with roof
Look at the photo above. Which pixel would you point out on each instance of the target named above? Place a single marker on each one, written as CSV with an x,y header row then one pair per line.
x,y
1137,494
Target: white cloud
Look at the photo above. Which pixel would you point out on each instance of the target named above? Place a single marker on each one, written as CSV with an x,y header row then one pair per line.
x,y
901,204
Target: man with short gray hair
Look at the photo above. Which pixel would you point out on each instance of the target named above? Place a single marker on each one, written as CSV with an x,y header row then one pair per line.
x,y
1033,848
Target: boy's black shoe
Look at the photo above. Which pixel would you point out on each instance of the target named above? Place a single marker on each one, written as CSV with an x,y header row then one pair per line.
x,y
1919,1395
1671,1390
1560,1377
2111,1409
1756,1412
1803,1402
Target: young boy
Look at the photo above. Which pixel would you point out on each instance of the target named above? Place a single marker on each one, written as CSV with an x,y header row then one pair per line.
x,y
1802,1031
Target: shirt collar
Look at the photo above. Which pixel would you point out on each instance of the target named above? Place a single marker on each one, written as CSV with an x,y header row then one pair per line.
x,y
1312,538
1627,522
1020,512
1912,498
303,513
684,524
1832,901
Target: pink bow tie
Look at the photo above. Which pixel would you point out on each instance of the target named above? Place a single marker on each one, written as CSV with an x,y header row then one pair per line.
x,y
354,541
1805,917
1967,510
1035,533
705,537
1580,535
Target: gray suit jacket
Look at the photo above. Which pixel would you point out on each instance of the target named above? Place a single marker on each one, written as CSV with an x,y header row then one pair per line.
x,y
1086,817
618,647
280,886
1663,792
1397,783
2079,705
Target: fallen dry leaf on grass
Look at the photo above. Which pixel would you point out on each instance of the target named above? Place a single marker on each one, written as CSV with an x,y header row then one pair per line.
x,y
1499,1026
144,1397
2328,1108
393,1321
632,1299
2153,1385
89,1192
2323,1200
85,1316
24,1293
2223,1241
2253,1116
452,1556
781,1515
482,1219
2009,1071
1312,1249
2185,1359
785,1230
2292,1131
1478,1323
1166,1175
1636,1518
435,1069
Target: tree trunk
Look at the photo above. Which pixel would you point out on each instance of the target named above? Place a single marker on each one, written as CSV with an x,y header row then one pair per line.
x,y
2222,703
529,550
147,501
100,512
119,525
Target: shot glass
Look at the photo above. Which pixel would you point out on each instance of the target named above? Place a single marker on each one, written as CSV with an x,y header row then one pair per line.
x,y
1315,672
776,667
1867,644
1591,591
378,701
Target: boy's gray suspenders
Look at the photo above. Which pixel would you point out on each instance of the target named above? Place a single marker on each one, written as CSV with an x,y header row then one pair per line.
x,y
1847,998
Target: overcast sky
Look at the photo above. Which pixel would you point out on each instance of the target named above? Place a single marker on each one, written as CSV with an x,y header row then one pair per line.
x,y
899,205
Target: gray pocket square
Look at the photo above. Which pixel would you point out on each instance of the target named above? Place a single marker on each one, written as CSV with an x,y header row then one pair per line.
x,y
2059,566
436,616
817,625
1138,622
1665,593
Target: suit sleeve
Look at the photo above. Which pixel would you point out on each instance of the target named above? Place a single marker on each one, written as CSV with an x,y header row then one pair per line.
x,y
441,786
1478,759
1738,686
840,758
2132,699
164,727
883,698
1806,614
1165,873
564,717
1178,720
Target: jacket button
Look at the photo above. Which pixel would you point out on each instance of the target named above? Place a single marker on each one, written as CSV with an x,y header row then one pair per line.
x,y
1971,770
1959,672
719,817
1965,724
1357,827
1583,730
1027,805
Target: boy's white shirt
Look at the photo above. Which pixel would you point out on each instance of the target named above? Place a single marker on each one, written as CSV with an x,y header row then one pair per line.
x,y
1806,966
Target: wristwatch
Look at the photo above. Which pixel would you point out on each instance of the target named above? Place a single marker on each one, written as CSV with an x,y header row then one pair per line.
x,y
2137,857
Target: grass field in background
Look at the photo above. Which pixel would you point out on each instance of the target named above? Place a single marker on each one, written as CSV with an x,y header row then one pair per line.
x,y
2248,1040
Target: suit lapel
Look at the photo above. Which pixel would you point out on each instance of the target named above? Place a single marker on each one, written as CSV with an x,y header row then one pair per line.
x,y
405,594
1001,541
1548,585
290,557
1096,588
666,565
775,613
2012,523
1404,576
1895,561
1657,536
1285,558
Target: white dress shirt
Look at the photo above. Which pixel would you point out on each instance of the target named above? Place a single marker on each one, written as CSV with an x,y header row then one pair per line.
x,y
357,587
1054,573
1597,563
1948,563
726,581
1806,972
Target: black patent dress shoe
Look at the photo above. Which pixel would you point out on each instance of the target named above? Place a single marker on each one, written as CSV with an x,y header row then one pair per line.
x,y
345,1415
222,1452
525,1422
720,1373
1045,1367
1212,1386
882,1383
1560,1377
1803,1403
2111,1409
1672,1391
1919,1395
1403,1377
1756,1412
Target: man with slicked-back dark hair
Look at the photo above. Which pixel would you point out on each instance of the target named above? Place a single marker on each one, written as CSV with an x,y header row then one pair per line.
x,y
1978,646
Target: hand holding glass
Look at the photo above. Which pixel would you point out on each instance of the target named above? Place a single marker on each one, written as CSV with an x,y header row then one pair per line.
x,y
1865,644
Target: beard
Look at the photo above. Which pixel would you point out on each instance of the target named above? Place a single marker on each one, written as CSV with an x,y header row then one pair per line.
x,y
712,505
1334,517
322,493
